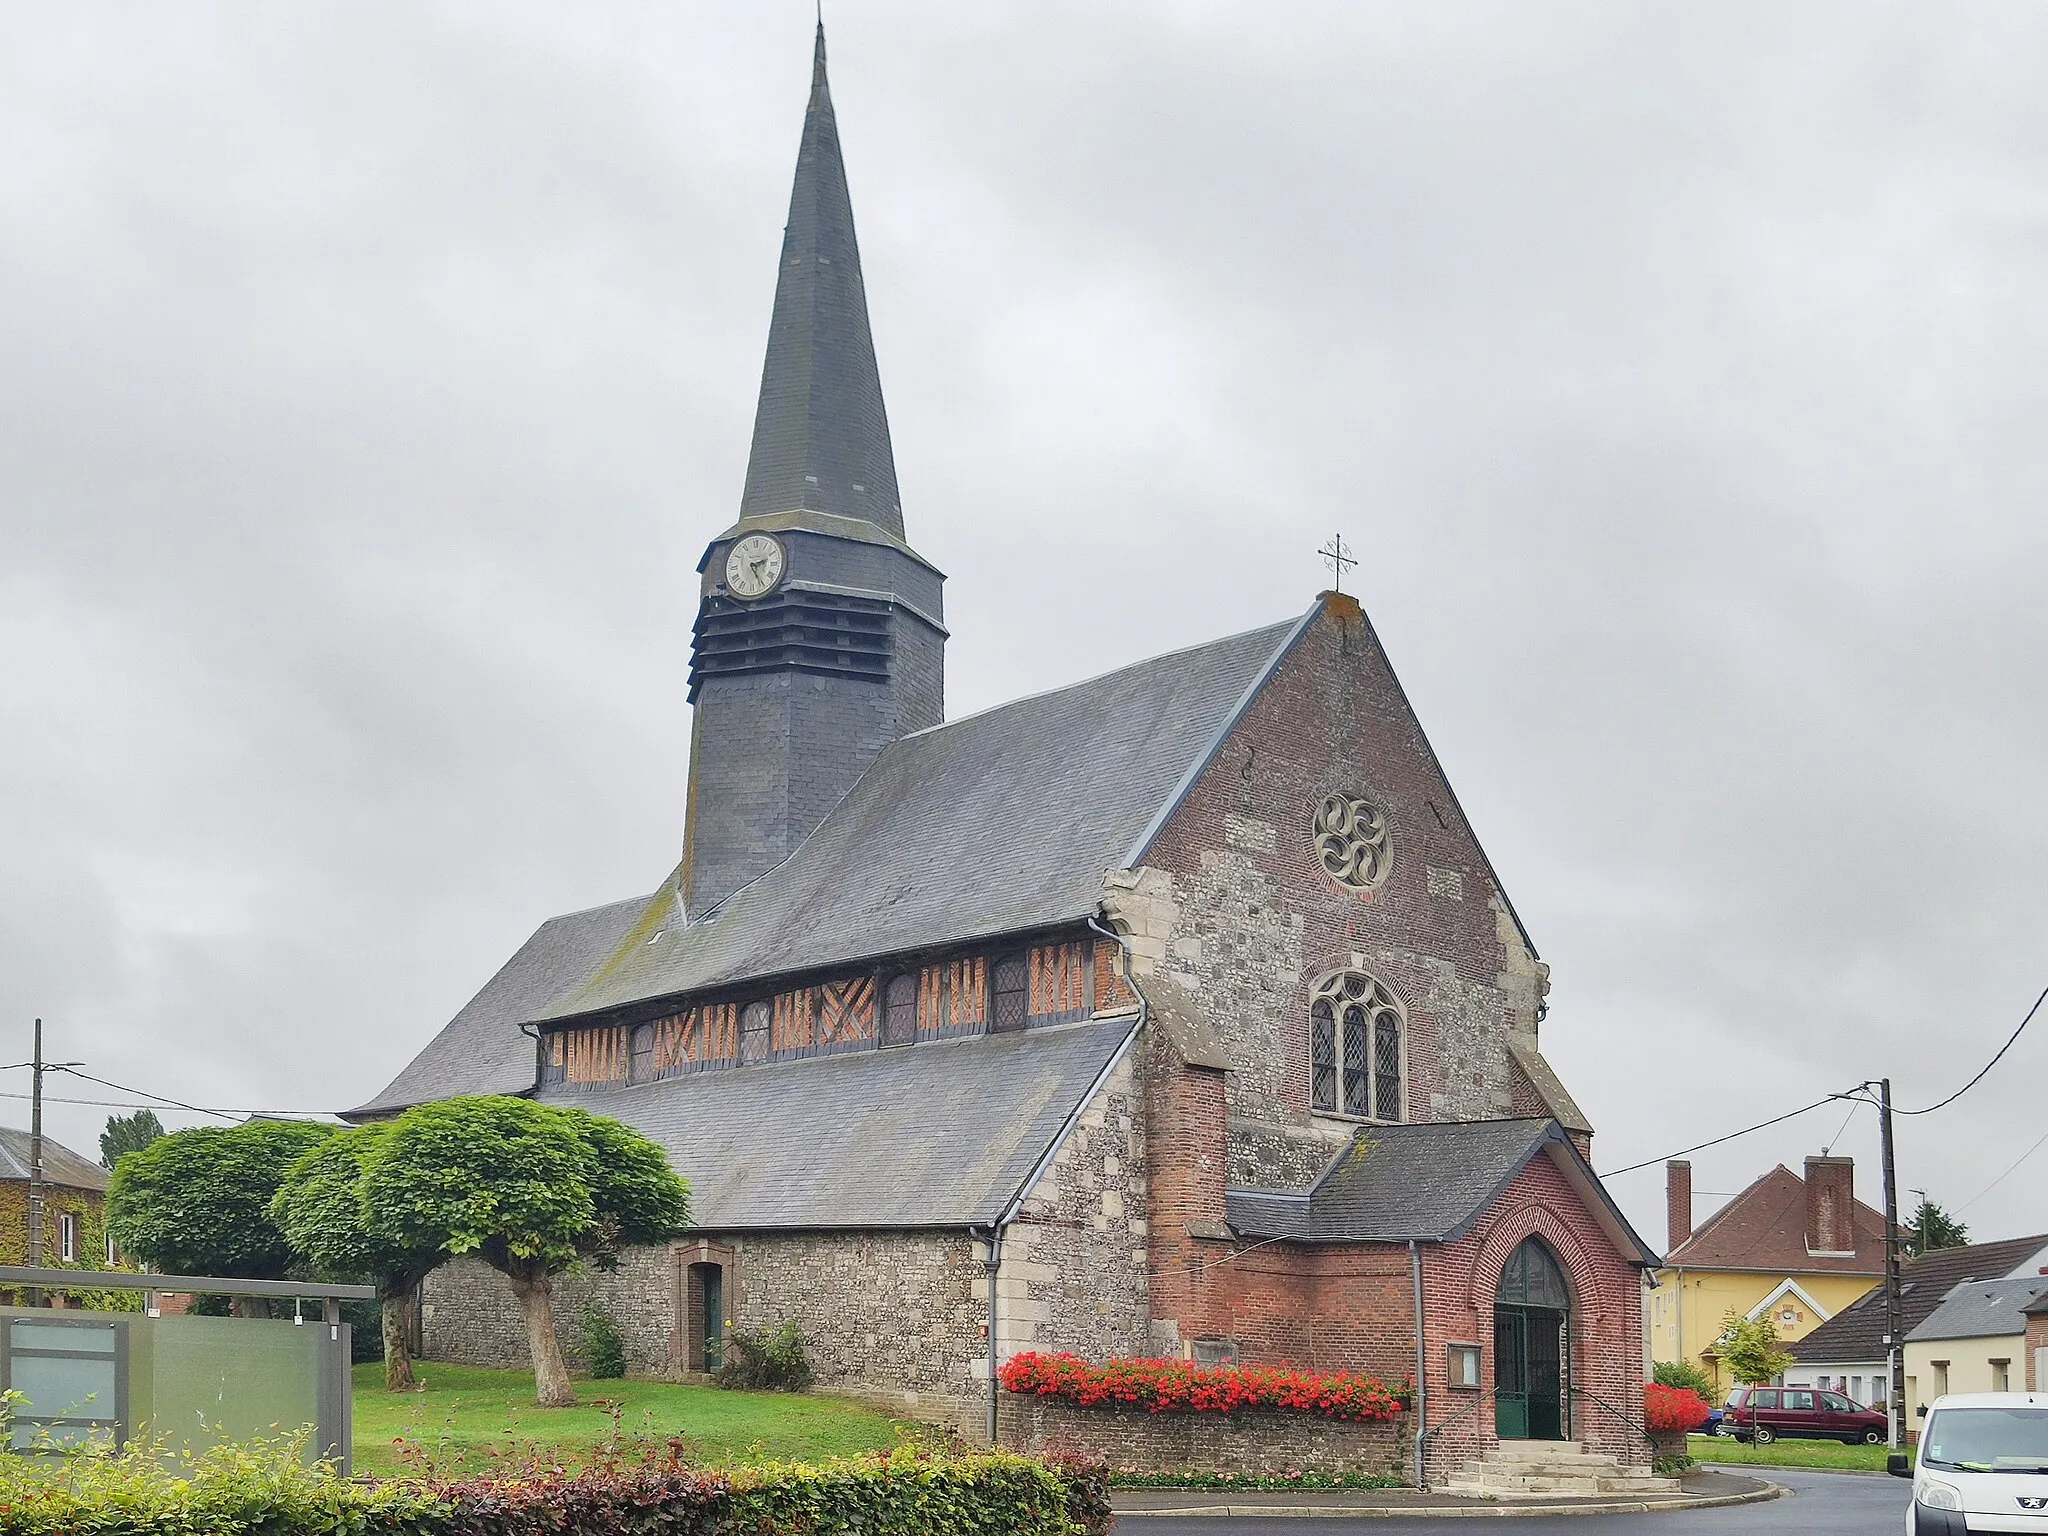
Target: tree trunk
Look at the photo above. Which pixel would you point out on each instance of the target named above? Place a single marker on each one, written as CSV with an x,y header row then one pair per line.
x,y
395,1311
551,1385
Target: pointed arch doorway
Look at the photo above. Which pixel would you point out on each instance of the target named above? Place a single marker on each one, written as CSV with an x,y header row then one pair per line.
x,y
1532,1351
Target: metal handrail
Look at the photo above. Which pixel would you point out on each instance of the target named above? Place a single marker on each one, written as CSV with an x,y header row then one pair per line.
x,y
1427,1432
179,1285
1641,1429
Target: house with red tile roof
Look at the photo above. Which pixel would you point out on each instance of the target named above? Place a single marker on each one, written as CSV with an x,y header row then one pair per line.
x,y
1797,1249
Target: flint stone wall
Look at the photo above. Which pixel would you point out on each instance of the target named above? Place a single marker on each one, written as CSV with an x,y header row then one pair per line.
x,y
894,1319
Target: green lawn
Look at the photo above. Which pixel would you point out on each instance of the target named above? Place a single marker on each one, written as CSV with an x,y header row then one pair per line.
x,y
466,1413
1786,1453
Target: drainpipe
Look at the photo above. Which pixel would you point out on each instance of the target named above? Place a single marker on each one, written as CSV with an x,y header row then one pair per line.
x,y
1421,1372
989,1266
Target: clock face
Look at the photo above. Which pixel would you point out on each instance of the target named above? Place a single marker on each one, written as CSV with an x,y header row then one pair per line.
x,y
753,566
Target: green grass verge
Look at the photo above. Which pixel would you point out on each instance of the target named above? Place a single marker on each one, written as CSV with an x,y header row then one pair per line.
x,y
465,1414
1788,1453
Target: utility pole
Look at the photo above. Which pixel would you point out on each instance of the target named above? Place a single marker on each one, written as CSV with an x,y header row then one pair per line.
x,y
35,1166
1893,1317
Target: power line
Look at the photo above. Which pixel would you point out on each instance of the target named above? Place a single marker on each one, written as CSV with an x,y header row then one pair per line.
x,y
1746,1130
2003,1176
2010,1040
197,1109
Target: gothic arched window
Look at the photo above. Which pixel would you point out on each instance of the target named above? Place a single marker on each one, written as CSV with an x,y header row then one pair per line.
x,y
1356,1048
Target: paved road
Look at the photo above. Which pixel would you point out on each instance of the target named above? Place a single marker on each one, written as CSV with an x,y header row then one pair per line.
x,y
1823,1504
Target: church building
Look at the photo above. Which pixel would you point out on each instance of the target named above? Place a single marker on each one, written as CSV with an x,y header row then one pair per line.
x,y
1175,1012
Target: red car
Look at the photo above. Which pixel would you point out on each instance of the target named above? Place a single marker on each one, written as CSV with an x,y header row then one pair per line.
x,y
1765,1413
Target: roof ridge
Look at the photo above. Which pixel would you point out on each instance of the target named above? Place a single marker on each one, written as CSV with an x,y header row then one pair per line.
x,y
1098,677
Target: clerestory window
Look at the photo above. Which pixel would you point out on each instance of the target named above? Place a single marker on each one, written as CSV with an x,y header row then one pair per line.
x,y
1009,994
899,1009
1357,1048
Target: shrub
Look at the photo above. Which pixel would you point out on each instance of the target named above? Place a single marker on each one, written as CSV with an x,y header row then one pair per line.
x,y
1668,1410
262,1488
1683,1373
604,1351
1175,1386
768,1360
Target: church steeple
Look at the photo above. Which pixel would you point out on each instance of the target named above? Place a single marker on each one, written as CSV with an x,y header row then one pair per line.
x,y
821,434
820,634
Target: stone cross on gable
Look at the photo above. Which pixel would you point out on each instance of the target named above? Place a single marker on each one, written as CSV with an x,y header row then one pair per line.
x,y
1337,556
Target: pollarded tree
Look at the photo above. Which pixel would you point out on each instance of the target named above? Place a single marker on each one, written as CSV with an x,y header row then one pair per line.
x,y
531,1189
197,1202
323,1213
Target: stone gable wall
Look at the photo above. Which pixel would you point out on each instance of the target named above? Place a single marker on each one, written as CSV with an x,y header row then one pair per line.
x,y
1269,1443
1237,908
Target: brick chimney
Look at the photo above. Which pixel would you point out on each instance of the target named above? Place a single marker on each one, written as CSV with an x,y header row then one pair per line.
x,y
1830,1205
1677,1203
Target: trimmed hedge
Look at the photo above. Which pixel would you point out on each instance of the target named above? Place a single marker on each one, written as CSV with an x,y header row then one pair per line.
x,y
262,1490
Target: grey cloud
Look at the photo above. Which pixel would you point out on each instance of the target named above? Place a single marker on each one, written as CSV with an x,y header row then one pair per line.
x,y
371,376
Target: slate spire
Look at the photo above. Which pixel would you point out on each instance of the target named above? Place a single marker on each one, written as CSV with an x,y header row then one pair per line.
x,y
821,435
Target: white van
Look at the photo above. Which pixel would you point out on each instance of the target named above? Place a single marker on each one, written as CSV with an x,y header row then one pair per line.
x,y
1983,1465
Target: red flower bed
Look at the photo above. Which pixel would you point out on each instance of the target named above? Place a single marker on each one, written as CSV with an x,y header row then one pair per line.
x,y
1670,1410
1175,1386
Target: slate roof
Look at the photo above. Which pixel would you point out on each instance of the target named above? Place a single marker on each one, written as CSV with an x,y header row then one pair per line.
x,y
1982,1309
821,434
1857,1331
61,1165
1764,1229
482,1050
1001,822
1430,1183
940,1134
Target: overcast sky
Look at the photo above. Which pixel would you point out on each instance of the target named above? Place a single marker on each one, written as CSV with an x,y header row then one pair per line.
x,y
371,377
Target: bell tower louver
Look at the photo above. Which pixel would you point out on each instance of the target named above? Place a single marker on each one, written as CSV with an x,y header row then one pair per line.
x,y
820,632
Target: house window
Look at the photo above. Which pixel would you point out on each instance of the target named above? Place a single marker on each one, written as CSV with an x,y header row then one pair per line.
x,y
1009,994
1357,1043
754,1022
2001,1375
642,1065
67,1237
113,1253
899,1009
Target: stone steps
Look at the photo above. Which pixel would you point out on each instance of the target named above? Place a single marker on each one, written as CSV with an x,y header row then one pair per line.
x,y
1535,1469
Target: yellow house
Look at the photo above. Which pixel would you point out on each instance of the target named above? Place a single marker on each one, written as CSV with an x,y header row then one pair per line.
x,y
1797,1250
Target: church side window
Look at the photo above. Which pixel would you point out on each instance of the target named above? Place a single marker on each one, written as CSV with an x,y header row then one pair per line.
x,y
1009,994
642,1066
1356,1048
1323,1056
899,1009
754,1022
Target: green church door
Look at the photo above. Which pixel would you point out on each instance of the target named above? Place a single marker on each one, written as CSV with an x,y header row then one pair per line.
x,y
1532,1347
